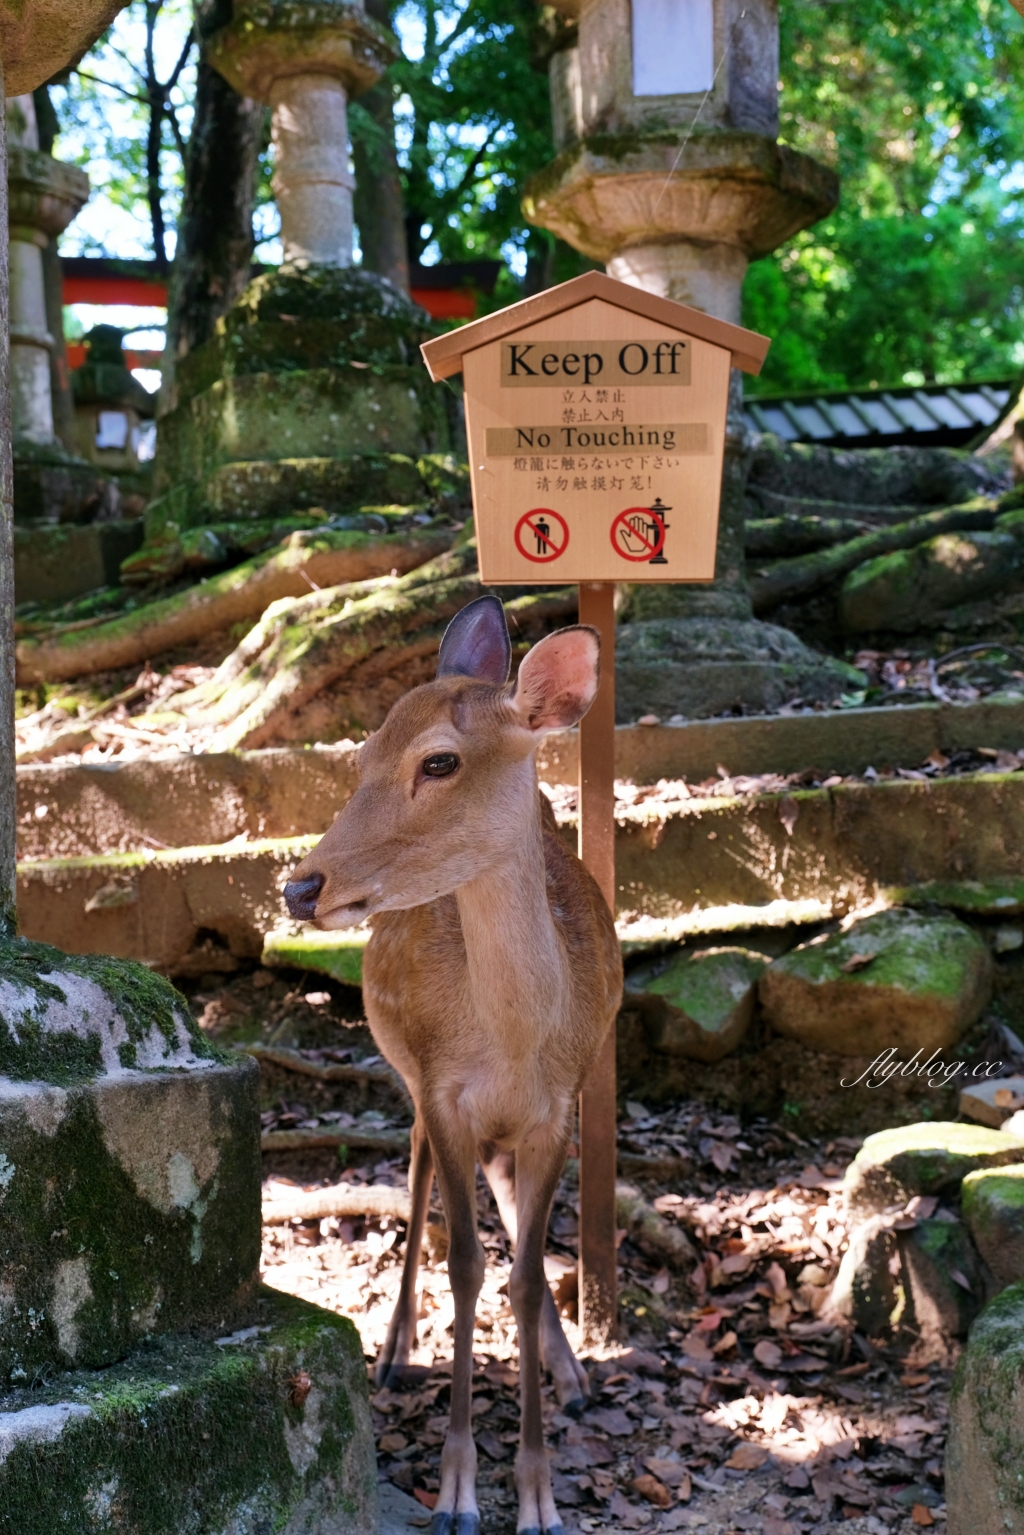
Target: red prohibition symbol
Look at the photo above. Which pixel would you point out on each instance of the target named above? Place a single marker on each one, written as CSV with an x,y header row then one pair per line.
x,y
638,534
542,535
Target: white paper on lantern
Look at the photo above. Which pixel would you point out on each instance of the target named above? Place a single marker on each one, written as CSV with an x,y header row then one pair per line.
x,y
673,47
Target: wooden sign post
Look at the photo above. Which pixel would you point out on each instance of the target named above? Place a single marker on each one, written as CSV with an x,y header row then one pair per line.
x,y
596,414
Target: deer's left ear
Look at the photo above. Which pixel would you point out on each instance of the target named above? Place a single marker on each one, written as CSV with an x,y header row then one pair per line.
x,y
476,643
558,679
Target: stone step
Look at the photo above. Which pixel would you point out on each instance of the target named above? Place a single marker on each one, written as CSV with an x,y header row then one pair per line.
x,y
271,1420
698,866
67,811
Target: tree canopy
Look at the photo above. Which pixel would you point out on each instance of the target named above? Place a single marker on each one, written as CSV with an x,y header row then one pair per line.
x,y
920,108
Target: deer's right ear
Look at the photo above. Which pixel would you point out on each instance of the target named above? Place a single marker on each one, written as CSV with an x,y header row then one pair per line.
x,y
558,679
476,643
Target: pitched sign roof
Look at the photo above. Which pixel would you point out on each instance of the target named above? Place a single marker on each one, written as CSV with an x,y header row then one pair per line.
x,y
596,422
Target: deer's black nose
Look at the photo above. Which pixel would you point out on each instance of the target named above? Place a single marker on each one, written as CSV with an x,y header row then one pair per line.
x,y
300,896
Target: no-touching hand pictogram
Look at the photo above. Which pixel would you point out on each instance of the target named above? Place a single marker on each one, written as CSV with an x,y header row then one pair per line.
x,y
638,534
542,535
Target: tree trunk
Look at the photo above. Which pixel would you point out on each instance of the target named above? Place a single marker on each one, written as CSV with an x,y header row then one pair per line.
x,y
792,579
213,257
8,806
377,203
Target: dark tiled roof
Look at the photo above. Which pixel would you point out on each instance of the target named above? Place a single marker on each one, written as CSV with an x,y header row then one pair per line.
x,y
937,415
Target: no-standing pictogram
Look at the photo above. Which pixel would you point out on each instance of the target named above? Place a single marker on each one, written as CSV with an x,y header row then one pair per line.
x,y
542,535
638,533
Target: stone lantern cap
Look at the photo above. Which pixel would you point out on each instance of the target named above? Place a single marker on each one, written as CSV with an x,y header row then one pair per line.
x,y
43,194
272,40
39,38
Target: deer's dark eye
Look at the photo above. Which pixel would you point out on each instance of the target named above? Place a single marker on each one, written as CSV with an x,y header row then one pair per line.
x,y
440,765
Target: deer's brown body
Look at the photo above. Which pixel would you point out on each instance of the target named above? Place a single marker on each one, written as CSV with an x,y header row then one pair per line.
x,y
491,979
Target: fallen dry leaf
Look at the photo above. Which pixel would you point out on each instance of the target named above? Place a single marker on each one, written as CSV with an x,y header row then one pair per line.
x,y
654,1491
428,1499
724,1344
922,1515
768,1353
915,1380
747,1457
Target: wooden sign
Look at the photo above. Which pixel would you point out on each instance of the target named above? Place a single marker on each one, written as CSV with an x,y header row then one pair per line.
x,y
596,422
596,418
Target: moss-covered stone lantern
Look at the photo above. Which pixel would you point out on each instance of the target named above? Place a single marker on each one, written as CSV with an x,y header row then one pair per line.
x,y
670,172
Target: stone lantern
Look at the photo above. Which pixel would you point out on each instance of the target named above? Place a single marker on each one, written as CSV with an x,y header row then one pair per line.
x,y
44,196
306,59
669,171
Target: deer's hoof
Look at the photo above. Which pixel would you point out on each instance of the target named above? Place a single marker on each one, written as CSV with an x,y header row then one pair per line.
x,y
549,1529
574,1408
455,1524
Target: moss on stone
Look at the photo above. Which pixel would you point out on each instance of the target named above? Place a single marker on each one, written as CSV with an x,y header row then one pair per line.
x,y
185,1437
913,953
34,1047
337,954
993,1209
925,1158
130,1207
985,1451
984,898
700,1004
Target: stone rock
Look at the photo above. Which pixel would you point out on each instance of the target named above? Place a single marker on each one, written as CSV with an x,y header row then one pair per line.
x,y
129,1163
701,1004
311,364
867,1289
927,1158
993,1209
991,1103
909,589
943,1279
338,954
871,476
898,979
985,1450
56,563
705,666
201,1436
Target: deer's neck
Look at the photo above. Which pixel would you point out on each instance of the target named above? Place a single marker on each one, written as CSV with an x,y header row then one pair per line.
x,y
518,975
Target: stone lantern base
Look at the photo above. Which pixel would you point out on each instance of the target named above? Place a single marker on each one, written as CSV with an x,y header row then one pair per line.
x,y
699,667
146,1381
313,378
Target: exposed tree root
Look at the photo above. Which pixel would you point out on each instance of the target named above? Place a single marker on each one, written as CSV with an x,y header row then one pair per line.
x,y
791,579
312,559
352,635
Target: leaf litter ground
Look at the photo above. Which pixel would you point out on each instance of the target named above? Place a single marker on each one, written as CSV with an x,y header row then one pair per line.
x,y
731,1401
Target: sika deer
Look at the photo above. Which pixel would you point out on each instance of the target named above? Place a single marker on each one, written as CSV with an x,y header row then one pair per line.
x,y
491,979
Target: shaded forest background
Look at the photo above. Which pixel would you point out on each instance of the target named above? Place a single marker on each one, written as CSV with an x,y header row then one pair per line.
x,y
916,277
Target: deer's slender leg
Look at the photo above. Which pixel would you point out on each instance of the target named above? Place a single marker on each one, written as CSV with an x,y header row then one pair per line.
x,y
539,1162
456,1512
570,1378
394,1356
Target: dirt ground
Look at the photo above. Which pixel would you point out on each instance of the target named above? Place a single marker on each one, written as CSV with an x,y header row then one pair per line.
x,y
730,1402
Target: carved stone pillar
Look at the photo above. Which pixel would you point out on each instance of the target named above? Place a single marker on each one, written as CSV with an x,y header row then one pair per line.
x,y
306,60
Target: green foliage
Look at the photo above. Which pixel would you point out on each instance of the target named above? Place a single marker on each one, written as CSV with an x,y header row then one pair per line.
x,y
916,276
473,123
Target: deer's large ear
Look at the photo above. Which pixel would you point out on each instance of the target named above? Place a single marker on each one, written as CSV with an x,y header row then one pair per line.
x,y
476,643
558,679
